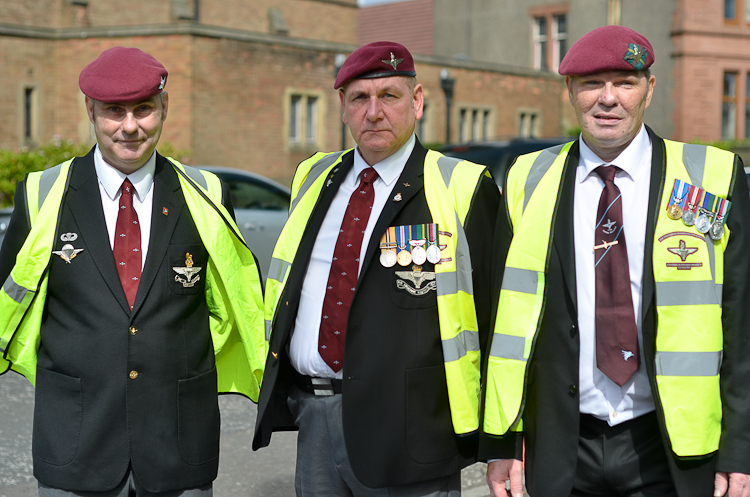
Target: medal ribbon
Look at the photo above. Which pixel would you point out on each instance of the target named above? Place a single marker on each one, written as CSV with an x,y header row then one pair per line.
x,y
679,192
709,205
721,211
693,196
401,241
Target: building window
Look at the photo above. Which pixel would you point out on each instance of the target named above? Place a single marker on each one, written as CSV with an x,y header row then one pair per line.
x,y
304,116
528,123
560,40
540,43
474,124
730,10
729,107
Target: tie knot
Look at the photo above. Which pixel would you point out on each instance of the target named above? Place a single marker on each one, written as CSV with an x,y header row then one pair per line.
x,y
607,173
368,176
127,187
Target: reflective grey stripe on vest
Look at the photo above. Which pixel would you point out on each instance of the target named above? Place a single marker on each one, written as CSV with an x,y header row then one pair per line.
x,y
446,165
687,293
520,280
459,280
315,171
455,348
277,269
694,158
195,175
539,168
14,290
688,363
268,329
46,181
508,347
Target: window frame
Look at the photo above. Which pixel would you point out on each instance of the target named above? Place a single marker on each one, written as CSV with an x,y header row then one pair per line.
x,y
296,106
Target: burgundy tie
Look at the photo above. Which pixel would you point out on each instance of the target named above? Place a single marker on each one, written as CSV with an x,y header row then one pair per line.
x,y
127,249
617,353
342,280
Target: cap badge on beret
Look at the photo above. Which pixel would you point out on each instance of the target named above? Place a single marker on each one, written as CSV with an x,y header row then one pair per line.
x,y
636,56
394,62
162,81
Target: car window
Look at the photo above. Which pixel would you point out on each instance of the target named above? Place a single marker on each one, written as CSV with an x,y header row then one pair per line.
x,y
248,194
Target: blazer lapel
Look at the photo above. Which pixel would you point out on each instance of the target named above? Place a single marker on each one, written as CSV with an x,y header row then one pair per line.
x,y
564,240
83,198
658,172
412,175
167,193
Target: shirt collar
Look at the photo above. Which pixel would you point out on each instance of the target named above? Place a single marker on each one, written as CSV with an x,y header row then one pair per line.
x,y
390,168
111,179
630,160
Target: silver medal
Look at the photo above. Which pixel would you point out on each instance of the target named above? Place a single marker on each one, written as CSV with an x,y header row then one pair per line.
x,y
433,254
388,258
418,255
717,230
702,223
688,217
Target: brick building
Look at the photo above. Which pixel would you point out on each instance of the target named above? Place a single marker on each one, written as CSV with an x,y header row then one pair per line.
x,y
702,46
250,80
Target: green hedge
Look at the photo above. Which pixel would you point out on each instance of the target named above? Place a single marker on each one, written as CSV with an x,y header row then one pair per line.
x,y
15,164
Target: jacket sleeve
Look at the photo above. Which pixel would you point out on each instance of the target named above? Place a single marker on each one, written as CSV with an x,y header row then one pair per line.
x,y
18,230
734,445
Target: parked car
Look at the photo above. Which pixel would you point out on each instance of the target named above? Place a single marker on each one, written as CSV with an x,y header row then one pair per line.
x,y
498,156
261,207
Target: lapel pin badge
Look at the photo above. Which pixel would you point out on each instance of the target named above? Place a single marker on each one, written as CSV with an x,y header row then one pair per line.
x,y
165,211
397,198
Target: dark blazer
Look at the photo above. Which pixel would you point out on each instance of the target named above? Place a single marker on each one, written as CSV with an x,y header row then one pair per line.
x,y
551,412
396,416
91,420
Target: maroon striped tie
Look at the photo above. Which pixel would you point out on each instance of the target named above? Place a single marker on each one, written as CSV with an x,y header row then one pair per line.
x,y
127,249
342,280
617,353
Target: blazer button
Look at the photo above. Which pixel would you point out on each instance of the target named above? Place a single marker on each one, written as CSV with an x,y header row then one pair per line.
x,y
133,330
133,375
573,389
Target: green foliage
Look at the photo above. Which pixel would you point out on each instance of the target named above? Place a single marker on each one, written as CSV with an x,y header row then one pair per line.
x,y
573,132
15,164
730,145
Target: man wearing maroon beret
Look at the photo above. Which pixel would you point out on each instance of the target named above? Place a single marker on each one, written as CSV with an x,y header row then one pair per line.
x,y
376,317
129,301
620,349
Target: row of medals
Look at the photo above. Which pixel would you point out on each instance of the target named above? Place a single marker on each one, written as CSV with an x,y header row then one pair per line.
x,y
702,221
411,251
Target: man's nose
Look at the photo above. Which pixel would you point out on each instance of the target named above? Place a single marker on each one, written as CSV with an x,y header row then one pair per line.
x,y
374,109
129,124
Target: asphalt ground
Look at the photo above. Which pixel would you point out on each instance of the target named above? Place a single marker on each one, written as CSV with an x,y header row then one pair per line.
x,y
242,472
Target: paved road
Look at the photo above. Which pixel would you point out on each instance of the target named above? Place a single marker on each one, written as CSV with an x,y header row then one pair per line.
x,y
242,472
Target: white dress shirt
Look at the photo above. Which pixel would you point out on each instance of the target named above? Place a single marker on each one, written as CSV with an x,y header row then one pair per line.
x,y
110,183
303,349
600,396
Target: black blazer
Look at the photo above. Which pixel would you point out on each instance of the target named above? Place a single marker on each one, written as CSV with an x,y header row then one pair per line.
x,y
396,416
551,412
91,420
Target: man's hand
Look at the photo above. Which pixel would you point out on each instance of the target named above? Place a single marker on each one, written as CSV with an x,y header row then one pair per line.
x,y
737,484
498,472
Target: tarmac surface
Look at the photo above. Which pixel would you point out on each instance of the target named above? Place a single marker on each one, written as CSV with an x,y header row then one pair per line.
x,y
242,472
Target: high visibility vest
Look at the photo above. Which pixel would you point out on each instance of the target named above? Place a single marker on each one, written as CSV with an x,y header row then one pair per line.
x,y
233,288
449,185
689,337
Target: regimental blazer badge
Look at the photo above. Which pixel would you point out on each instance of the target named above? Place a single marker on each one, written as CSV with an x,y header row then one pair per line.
x,y
189,272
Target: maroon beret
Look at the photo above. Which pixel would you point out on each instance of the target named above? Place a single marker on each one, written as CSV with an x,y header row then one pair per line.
x,y
379,59
609,48
123,75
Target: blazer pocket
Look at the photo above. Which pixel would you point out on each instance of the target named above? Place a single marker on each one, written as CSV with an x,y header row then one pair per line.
x,y
429,430
57,417
411,289
199,421
187,268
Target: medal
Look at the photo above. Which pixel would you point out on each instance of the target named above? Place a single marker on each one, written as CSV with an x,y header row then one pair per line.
x,y
433,252
674,209
418,254
404,256
688,215
703,222
388,248
716,232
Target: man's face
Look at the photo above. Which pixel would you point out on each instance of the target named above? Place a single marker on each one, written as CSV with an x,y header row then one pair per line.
x,y
381,113
127,133
609,107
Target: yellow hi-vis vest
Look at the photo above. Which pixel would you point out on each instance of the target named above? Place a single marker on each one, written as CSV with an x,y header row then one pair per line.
x,y
233,289
689,337
449,185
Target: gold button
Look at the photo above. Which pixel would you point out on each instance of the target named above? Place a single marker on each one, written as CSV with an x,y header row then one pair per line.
x,y
133,330
133,375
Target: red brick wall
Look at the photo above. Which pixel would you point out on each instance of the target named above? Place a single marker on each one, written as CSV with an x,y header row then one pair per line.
x,y
409,23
